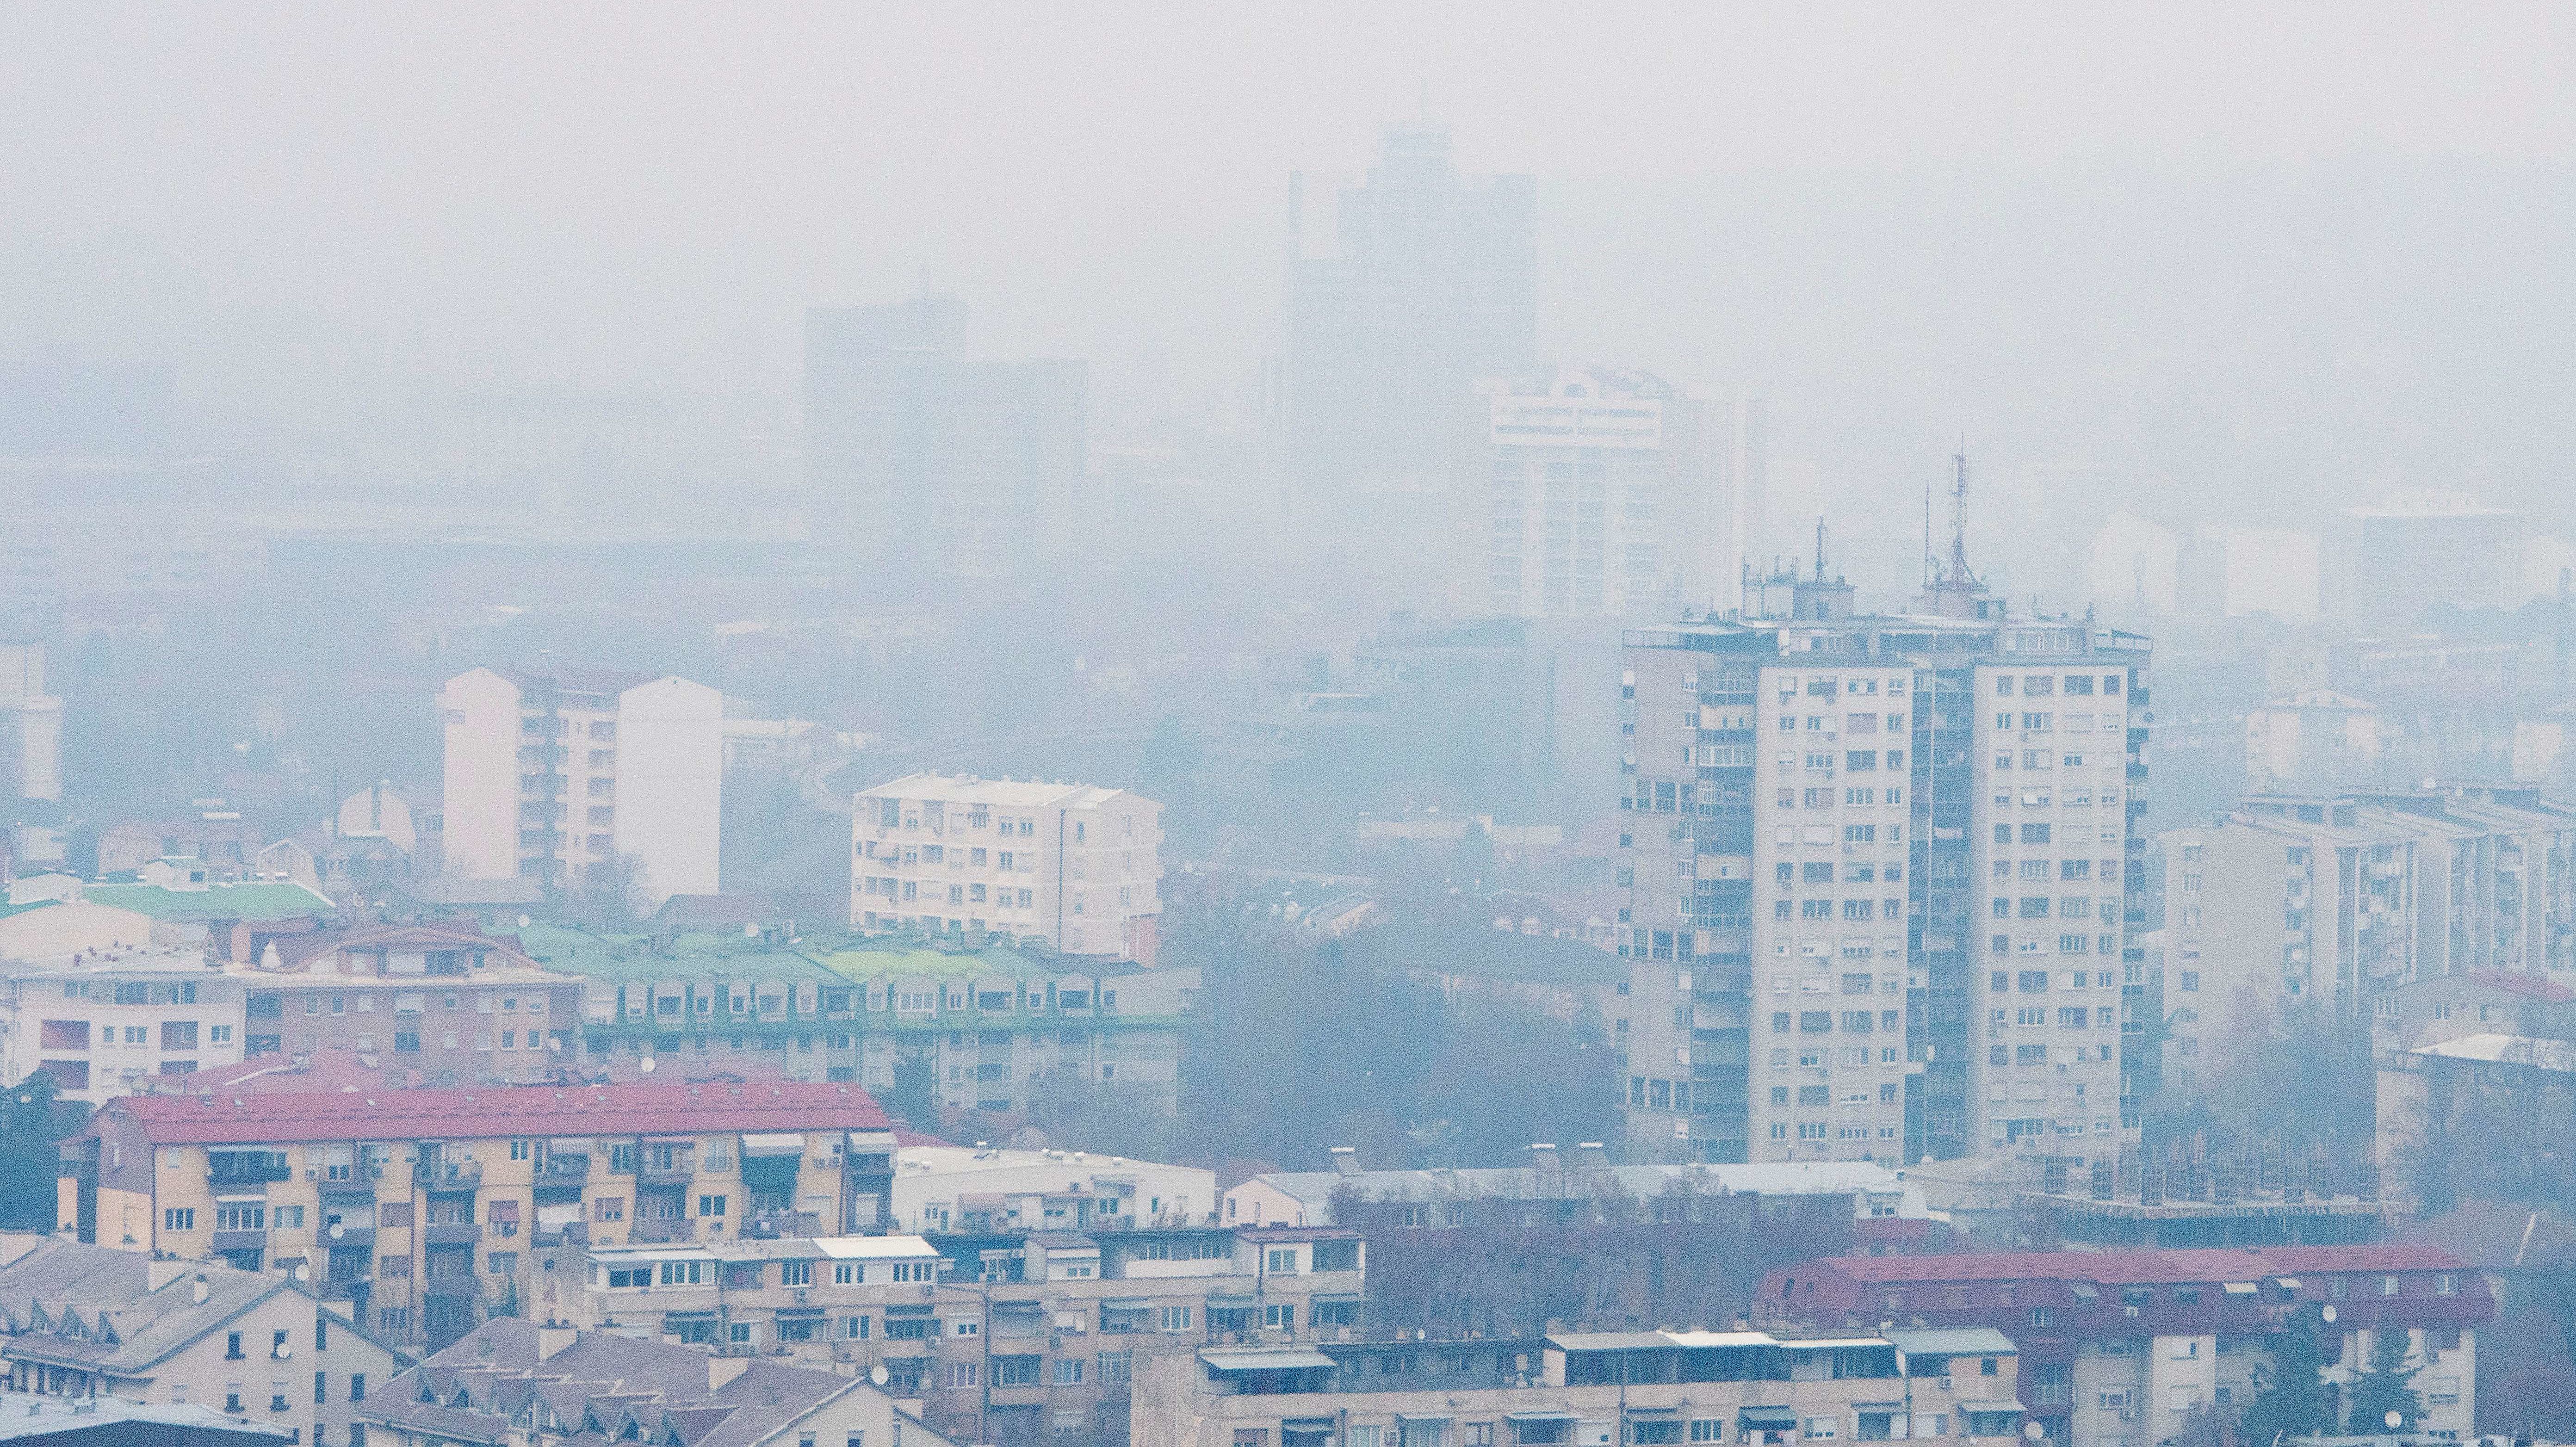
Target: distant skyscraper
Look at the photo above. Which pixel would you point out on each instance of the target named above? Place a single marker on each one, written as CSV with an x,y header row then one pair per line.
x,y
930,463
1602,493
1430,282
2427,548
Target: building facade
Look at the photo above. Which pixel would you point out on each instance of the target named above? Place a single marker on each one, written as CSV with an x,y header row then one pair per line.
x,y
426,1209
2339,898
31,725
1588,1389
1013,1336
558,776
103,1024
1601,492
2120,1347
1068,865
1884,880
995,1027
460,1006
88,1321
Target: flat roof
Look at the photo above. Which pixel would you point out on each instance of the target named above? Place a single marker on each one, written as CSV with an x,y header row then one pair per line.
x,y
33,1414
254,1118
1264,1359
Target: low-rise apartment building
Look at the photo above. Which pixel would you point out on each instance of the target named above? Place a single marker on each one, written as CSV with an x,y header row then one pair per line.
x,y
1587,1389
2120,1347
1071,865
999,1338
426,1209
88,1322
984,1190
107,1023
527,1385
993,1024
1577,1192
460,1006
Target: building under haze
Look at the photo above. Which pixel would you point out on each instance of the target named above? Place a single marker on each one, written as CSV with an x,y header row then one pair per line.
x,y
31,725
2426,548
1881,876
1069,865
554,774
1601,492
929,464
1425,281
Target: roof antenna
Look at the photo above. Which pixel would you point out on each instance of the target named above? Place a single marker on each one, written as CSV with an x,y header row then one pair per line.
x,y
1959,515
1820,547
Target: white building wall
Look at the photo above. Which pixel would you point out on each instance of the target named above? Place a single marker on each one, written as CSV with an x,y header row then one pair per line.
x,y
479,712
670,780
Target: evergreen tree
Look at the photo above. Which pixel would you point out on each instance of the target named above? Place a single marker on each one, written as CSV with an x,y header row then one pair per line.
x,y
2385,1387
2290,1394
31,1120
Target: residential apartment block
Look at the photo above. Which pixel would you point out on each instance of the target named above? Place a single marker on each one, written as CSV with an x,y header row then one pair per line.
x,y
551,775
1881,1201
88,1322
103,1024
2340,898
991,1024
1588,1389
460,1006
2120,1347
1883,882
426,1208
31,724
1068,865
533,1385
1011,1337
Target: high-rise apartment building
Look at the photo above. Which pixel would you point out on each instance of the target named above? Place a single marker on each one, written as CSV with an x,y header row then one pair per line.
x,y
1883,879
1426,281
927,462
1070,865
31,725
2421,549
553,775
1601,492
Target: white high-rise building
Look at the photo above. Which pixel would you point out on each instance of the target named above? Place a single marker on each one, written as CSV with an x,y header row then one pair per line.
x,y
31,725
551,775
1071,865
1599,492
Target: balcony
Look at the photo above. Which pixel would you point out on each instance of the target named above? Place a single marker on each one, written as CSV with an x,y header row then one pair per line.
x,y
781,1225
572,1234
224,1174
450,1287
450,1175
241,1240
451,1233
352,1288
677,1173
566,1170
350,1235
655,1232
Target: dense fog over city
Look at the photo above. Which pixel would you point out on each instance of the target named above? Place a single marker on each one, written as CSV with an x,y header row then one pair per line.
x,y
1408,726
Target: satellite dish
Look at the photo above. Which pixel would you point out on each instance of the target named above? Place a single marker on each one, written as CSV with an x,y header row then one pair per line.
x,y
554,1045
647,1066
2328,1313
2394,1419
338,1230
2033,1431
523,921
879,1375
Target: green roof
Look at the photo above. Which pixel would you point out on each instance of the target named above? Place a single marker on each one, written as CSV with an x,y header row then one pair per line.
x,y
7,909
878,961
633,957
257,899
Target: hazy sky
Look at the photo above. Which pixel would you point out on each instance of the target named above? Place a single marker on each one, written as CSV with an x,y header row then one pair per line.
x,y
304,204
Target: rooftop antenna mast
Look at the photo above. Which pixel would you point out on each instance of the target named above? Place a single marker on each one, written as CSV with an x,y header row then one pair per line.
x,y
1820,548
1959,516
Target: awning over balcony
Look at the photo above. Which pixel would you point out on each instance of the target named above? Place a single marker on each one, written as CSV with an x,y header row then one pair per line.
x,y
774,1143
1769,1418
1264,1359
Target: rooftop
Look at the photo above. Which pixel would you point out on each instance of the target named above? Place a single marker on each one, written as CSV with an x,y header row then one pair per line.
x,y
2139,1267
252,899
95,1307
33,1415
255,1118
1000,793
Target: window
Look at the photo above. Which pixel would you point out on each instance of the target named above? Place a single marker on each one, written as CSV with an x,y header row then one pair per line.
x,y
232,1346
179,1218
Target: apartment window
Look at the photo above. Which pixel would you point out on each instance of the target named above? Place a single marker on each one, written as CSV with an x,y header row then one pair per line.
x,y
179,1218
796,1273
233,1346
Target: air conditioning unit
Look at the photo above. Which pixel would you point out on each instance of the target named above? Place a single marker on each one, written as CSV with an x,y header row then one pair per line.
x,y
801,1293
2128,1414
312,1173
376,1169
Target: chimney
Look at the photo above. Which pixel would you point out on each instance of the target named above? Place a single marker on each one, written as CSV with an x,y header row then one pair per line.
x,y
1593,1156
1346,1160
200,1291
721,1370
158,1273
1543,1156
553,1337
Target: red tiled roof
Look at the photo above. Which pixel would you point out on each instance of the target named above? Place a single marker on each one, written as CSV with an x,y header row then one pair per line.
x,y
2516,982
2138,1267
674,1109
